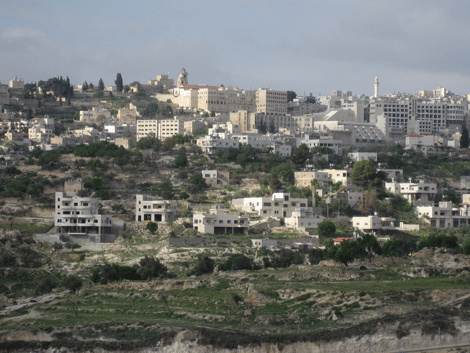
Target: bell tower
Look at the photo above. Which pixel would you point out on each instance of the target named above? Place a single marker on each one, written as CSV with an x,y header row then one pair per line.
x,y
182,78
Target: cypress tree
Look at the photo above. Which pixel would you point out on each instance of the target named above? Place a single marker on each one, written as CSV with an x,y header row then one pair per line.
x,y
101,85
118,82
464,139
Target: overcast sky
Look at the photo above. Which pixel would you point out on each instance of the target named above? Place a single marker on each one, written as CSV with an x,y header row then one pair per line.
x,y
304,46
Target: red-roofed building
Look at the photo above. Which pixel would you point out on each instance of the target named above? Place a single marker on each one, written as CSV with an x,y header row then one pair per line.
x,y
338,241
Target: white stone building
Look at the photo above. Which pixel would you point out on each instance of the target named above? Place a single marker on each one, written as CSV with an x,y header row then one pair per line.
x,y
444,215
279,205
373,224
219,221
77,218
211,144
147,209
303,218
418,194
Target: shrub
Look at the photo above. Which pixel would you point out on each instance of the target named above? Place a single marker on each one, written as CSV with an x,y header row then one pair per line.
x,y
204,265
72,283
152,227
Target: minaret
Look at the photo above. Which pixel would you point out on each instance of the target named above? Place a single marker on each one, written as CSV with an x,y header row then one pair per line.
x,y
376,87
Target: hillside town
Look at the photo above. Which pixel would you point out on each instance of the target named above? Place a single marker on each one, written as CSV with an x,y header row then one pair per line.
x,y
228,210
216,120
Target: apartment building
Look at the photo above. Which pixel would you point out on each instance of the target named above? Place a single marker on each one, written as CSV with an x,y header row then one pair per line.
x,y
373,224
323,141
271,102
40,134
338,175
303,218
170,127
219,221
78,219
145,127
147,209
418,194
444,215
303,179
279,205
211,144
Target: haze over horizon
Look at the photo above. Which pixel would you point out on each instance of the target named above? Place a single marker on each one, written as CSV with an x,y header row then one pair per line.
x,y
305,46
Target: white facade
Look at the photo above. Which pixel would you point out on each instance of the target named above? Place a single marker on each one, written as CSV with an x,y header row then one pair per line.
x,y
444,215
303,218
418,194
373,224
218,221
78,217
154,210
213,144
279,205
170,127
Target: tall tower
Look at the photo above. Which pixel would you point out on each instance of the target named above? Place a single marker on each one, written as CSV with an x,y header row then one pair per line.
x,y
182,78
376,87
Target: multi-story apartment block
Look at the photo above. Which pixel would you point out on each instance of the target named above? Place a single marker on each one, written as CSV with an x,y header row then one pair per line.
x,y
216,177
271,102
147,209
145,127
170,127
219,221
444,215
418,194
279,205
78,217
420,114
373,224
